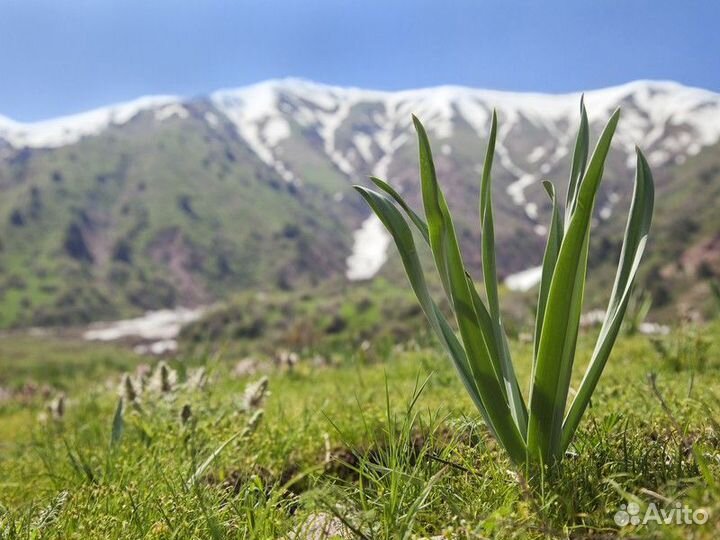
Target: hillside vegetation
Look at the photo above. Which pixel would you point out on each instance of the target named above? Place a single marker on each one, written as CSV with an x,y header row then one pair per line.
x,y
158,204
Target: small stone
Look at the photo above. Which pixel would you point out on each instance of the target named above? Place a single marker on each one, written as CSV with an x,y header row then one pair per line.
x,y
321,526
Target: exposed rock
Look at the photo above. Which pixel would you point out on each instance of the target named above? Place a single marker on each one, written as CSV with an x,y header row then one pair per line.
x,y
321,526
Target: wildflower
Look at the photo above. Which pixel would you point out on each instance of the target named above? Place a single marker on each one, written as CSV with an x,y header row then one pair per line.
x,y
255,394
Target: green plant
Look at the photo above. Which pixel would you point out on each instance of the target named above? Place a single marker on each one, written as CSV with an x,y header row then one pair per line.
x,y
541,432
686,349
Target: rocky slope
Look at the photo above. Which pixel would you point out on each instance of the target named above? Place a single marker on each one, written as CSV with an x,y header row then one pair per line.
x,y
166,201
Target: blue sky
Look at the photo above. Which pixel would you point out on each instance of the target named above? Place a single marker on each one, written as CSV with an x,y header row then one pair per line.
x,y
64,56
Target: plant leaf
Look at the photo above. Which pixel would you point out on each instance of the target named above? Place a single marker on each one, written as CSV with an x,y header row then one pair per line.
x,y
399,230
552,249
443,328
118,424
580,155
483,315
212,457
417,220
511,386
444,245
636,233
556,348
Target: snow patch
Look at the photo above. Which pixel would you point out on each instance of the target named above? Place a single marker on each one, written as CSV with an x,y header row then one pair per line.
x,y
363,142
537,153
369,252
163,324
70,129
329,124
275,130
174,109
594,317
525,280
212,119
654,329
606,211
658,157
516,190
157,348
531,210
252,110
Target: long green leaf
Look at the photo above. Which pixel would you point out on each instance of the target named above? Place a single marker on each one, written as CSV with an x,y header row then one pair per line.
x,y
486,326
558,339
423,229
579,162
552,249
511,386
446,251
417,220
483,315
399,230
212,457
636,233
487,225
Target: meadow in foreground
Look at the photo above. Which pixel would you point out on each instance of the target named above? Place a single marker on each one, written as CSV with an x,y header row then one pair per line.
x,y
388,448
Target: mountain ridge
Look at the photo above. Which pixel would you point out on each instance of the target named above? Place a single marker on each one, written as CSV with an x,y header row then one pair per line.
x,y
158,201
291,81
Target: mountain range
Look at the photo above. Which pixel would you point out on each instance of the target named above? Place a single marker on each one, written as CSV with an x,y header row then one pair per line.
x,y
167,201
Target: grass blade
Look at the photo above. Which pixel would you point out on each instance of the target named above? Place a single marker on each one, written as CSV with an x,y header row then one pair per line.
x,y
212,457
118,424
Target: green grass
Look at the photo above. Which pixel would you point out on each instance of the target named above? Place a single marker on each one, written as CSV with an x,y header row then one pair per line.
x,y
408,454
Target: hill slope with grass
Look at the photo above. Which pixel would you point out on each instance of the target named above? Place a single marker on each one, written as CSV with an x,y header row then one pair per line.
x,y
166,201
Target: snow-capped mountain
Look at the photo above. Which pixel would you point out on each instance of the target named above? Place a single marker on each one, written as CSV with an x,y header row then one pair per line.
x,y
295,147
669,121
665,118
70,129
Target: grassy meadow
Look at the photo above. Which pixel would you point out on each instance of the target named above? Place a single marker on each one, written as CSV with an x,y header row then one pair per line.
x,y
373,441
335,410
